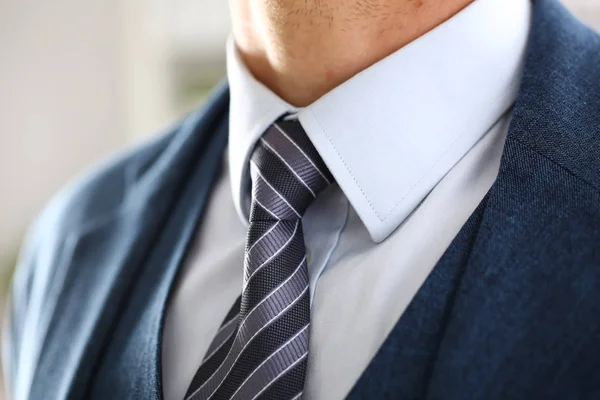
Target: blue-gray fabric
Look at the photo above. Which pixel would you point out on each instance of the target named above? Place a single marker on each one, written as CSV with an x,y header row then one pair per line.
x,y
512,310
265,356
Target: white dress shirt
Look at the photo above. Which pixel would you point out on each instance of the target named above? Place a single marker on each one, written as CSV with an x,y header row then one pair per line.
x,y
414,143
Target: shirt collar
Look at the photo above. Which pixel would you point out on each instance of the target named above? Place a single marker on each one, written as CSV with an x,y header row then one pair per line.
x,y
390,133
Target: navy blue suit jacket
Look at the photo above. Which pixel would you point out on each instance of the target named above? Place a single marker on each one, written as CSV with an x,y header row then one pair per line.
x,y
511,311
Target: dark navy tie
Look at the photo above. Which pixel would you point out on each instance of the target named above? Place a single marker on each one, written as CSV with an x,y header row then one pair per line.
x,y
261,349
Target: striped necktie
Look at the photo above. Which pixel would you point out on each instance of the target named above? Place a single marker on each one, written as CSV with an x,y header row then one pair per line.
x,y
261,349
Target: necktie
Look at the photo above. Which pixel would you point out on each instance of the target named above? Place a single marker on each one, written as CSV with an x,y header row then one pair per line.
x,y
261,349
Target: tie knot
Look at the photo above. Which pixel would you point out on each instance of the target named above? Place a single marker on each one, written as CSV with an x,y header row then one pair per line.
x,y
287,173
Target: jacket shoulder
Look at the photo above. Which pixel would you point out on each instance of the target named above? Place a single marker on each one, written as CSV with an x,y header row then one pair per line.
x,y
557,113
95,195
102,189
142,179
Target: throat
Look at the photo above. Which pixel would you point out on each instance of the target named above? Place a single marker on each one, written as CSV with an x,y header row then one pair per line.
x,y
303,49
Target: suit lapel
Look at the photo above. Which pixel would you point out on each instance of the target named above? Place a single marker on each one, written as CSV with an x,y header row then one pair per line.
x,y
131,367
468,331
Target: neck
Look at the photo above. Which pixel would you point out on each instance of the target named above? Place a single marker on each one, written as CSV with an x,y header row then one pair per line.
x,y
303,49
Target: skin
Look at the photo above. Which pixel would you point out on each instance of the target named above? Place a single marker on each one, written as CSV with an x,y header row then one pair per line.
x,y
301,49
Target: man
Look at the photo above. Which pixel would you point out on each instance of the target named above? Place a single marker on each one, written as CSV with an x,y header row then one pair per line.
x,y
419,190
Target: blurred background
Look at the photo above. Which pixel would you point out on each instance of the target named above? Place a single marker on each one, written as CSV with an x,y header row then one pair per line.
x,y
82,79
